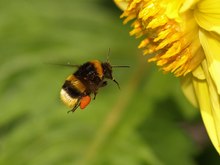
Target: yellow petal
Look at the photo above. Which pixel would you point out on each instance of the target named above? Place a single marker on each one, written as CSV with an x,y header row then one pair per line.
x,y
211,45
188,4
172,8
122,4
188,89
198,73
207,15
209,102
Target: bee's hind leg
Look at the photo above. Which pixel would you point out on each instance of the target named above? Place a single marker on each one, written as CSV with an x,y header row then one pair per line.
x,y
75,107
95,93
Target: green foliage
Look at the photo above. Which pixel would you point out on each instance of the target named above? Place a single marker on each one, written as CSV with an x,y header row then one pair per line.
x,y
141,124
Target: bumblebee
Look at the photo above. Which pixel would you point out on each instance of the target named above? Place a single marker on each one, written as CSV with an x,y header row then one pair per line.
x,y
86,80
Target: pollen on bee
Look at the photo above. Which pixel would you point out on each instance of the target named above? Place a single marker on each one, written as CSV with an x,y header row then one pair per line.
x,y
85,101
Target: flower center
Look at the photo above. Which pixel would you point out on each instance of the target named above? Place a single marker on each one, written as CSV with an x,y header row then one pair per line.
x,y
165,39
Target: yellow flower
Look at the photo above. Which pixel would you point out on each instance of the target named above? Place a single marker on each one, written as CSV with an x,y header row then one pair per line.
x,y
183,37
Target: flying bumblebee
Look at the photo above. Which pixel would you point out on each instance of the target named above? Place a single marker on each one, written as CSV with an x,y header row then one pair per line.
x,y
86,80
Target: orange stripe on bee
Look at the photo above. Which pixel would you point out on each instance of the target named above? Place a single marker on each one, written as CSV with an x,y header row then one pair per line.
x,y
76,83
97,64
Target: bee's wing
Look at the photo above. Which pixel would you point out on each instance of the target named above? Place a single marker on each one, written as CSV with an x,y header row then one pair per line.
x,y
66,65
120,66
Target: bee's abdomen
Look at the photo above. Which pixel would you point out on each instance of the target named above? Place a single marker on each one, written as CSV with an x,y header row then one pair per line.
x,y
72,91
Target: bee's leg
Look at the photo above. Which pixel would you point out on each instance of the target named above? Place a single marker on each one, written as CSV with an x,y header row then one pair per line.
x,y
76,106
73,110
95,93
103,83
116,83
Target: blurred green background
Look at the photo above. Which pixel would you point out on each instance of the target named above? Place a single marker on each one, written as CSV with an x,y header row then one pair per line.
x,y
147,122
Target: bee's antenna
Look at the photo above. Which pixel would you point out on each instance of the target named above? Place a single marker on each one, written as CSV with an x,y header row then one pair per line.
x,y
108,55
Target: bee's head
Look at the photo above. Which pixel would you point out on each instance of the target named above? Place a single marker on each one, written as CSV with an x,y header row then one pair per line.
x,y
107,70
